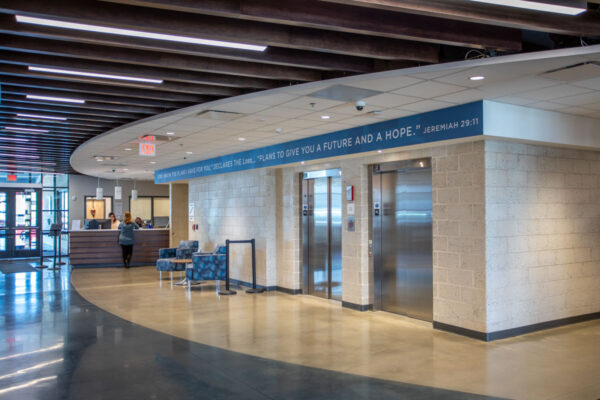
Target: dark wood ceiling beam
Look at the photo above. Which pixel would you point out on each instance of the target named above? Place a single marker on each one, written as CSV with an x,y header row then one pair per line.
x,y
49,126
177,87
102,90
26,59
226,29
344,18
92,97
69,111
85,120
273,55
141,111
157,59
586,24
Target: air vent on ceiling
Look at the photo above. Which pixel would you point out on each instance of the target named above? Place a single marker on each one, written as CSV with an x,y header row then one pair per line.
x,y
158,138
219,115
344,93
574,73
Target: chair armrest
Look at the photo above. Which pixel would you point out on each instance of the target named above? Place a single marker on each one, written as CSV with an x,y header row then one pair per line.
x,y
167,253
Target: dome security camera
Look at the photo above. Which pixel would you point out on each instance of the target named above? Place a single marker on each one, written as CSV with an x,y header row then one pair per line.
x,y
360,105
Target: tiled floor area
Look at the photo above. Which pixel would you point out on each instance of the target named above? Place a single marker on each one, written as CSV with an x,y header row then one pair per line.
x,y
122,334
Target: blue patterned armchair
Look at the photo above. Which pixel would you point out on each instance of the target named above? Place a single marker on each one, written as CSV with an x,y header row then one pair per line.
x,y
184,250
208,266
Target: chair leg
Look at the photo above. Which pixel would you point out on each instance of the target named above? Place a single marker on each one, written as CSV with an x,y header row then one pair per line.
x,y
171,278
180,274
160,275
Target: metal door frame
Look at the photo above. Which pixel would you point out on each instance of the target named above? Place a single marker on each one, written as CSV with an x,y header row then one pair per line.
x,y
374,171
11,229
305,201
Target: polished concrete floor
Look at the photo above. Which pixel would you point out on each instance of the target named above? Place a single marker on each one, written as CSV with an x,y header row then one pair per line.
x,y
123,334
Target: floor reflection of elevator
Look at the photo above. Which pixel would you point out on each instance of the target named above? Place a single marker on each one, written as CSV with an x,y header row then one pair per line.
x,y
402,238
322,233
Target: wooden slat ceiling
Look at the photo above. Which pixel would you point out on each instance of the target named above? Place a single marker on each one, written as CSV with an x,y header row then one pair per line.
x,y
308,40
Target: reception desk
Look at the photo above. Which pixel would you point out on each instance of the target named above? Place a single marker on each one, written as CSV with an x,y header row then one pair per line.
x,y
100,247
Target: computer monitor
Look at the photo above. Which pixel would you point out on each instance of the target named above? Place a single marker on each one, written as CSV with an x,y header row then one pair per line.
x,y
161,222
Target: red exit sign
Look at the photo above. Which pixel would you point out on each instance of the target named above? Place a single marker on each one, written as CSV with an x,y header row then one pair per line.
x,y
148,149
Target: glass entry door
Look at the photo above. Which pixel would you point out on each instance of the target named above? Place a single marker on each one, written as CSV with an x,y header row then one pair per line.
x,y
19,222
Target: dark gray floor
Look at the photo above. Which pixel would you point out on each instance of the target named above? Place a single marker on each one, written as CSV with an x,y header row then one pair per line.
x,y
89,354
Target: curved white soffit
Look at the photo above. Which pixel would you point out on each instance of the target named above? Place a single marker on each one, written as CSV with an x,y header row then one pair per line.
x,y
129,165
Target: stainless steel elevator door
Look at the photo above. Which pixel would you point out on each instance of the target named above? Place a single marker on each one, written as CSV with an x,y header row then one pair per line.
x,y
318,238
404,237
322,236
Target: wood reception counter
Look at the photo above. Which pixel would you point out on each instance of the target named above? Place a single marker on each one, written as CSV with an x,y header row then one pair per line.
x,y
100,247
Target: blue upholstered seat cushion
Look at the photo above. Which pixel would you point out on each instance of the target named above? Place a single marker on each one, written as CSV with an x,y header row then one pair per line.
x,y
167,264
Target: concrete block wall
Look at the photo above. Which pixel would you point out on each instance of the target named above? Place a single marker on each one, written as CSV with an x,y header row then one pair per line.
x,y
542,233
239,206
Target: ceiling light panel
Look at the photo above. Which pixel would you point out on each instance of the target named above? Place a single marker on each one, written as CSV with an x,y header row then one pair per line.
x,y
49,98
94,74
34,116
16,128
135,33
571,7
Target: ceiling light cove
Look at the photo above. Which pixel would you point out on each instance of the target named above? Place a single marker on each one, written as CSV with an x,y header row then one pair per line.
x,y
94,74
16,128
41,117
568,7
49,98
135,33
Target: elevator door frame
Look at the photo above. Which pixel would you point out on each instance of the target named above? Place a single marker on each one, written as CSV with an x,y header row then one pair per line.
x,y
306,212
376,223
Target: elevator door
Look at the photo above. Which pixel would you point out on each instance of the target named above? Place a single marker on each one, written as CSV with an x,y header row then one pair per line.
x,y
402,233
322,232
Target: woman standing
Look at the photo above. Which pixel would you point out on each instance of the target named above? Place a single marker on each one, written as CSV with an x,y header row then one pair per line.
x,y
126,238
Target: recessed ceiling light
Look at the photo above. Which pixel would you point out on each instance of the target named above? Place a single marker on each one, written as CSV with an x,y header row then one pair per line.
x,y
152,162
13,139
50,98
559,7
325,116
127,148
241,139
380,151
18,155
477,78
170,133
278,130
41,117
125,169
94,74
262,119
16,128
188,152
302,162
134,33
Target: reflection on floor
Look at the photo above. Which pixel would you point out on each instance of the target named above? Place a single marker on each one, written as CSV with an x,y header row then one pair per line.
x,y
57,345
306,331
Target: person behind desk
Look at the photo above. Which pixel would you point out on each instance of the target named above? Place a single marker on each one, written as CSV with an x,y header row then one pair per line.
x,y
139,222
114,222
92,223
126,238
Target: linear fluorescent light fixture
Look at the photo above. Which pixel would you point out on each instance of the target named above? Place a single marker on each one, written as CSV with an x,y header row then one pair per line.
x,y
16,128
35,163
41,117
93,74
12,139
49,98
141,34
17,155
18,148
554,6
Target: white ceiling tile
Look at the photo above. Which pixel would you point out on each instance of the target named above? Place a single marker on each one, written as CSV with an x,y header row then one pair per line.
x,y
389,100
547,105
589,84
579,100
430,89
385,84
462,97
312,103
578,111
427,105
520,85
316,118
242,107
554,92
273,99
521,101
283,112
